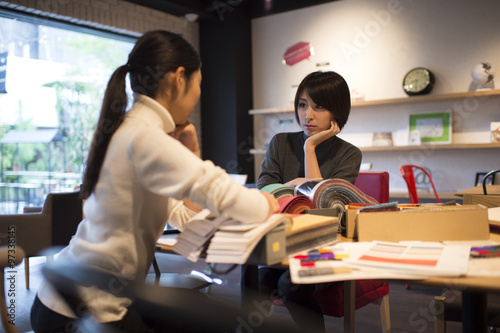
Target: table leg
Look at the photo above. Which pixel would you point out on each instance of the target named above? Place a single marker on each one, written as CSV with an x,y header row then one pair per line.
x,y
349,308
474,312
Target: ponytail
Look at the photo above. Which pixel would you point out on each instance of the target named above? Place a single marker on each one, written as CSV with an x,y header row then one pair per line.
x,y
112,113
154,55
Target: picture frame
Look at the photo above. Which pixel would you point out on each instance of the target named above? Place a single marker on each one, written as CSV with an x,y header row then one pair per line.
x,y
480,177
434,128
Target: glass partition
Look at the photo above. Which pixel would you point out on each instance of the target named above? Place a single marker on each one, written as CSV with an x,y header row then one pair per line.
x,y
52,79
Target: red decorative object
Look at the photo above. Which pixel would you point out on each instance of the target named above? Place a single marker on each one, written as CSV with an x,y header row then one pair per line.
x,y
297,53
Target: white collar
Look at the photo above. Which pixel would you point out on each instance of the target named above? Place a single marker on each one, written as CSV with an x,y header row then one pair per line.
x,y
160,117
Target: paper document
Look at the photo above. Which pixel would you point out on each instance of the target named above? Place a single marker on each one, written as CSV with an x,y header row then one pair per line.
x,y
421,258
167,241
193,240
494,215
383,260
303,271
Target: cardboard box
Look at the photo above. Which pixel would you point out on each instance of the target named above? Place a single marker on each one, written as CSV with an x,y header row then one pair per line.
x,y
350,222
467,222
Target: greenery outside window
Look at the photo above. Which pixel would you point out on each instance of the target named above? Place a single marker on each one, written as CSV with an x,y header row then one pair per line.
x,y
55,76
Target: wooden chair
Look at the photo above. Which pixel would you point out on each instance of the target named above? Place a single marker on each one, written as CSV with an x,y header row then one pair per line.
x,y
9,257
332,299
409,176
53,226
448,307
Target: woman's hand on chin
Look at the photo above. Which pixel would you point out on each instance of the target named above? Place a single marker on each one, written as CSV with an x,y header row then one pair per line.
x,y
186,134
316,139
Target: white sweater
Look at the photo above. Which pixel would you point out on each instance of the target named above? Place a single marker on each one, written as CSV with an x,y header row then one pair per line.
x,y
145,175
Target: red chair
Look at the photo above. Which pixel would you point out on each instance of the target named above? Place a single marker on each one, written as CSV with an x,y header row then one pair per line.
x,y
331,299
374,184
409,176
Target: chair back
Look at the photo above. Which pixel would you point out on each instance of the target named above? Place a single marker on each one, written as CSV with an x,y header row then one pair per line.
x,y
66,211
409,177
491,173
374,184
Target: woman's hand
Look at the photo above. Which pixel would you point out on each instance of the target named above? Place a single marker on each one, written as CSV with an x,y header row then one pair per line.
x,y
311,167
186,134
274,206
317,138
298,181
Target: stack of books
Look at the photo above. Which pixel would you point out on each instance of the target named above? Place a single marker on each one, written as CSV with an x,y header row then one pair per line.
x,y
194,239
225,240
234,242
308,231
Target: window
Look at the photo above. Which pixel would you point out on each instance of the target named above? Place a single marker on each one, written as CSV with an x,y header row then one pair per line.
x,y
52,79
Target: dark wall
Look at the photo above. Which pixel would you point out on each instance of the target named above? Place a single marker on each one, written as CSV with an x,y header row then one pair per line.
x,y
227,128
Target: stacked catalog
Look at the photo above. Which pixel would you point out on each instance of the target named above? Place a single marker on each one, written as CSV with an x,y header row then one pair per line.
x,y
229,241
309,230
234,242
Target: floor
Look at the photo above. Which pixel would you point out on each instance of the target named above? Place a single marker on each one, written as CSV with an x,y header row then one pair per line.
x,y
410,309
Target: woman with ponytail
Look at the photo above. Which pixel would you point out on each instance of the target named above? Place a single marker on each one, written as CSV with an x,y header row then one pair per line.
x,y
144,169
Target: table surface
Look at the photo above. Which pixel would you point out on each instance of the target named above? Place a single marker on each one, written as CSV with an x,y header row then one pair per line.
x,y
474,291
480,283
466,282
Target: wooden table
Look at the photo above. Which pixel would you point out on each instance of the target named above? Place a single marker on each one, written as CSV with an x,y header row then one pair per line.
x,y
474,293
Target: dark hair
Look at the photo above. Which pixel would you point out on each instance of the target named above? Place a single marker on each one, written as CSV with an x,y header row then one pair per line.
x,y
154,55
328,89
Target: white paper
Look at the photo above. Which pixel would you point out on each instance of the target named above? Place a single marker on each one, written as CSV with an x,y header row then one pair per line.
x,y
494,215
421,258
450,260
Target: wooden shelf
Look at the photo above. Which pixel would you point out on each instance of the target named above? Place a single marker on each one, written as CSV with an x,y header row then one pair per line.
x,y
271,110
420,147
432,147
395,101
428,98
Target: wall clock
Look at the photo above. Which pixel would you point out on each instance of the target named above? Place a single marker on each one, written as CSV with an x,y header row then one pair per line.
x,y
418,81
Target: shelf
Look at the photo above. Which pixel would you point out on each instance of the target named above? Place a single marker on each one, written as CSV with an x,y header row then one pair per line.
x,y
270,110
428,98
432,147
395,101
256,151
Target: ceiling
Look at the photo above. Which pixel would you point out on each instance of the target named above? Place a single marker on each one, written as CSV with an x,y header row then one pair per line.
x,y
209,8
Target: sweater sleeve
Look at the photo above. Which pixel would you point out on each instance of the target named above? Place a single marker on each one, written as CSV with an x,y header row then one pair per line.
x,y
165,167
179,214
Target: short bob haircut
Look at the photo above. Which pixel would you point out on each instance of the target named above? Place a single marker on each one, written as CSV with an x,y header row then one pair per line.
x,y
328,89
